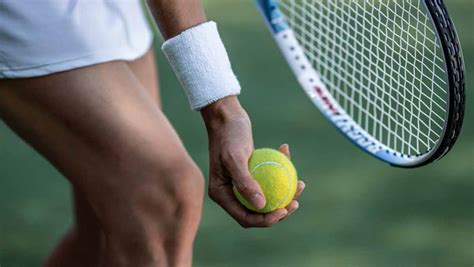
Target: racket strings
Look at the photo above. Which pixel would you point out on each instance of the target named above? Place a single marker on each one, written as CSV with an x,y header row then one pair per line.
x,y
381,62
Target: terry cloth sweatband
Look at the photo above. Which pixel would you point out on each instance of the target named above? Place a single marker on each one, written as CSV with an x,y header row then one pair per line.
x,y
200,61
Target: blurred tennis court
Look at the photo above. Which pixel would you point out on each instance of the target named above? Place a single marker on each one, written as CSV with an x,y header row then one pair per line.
x,y
356,211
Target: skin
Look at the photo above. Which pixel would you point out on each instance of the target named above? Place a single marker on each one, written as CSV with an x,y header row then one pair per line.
x,y
137,192
229,130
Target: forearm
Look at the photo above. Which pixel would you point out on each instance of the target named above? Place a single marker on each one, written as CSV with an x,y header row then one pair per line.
x,y
175,16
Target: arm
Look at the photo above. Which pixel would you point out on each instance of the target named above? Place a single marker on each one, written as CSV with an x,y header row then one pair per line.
x,y
229,130
176,16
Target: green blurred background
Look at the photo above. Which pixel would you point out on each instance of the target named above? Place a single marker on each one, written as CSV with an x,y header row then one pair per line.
x,y
356,211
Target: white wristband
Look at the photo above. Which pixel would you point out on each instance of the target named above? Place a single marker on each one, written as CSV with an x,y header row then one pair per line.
x,y
200,61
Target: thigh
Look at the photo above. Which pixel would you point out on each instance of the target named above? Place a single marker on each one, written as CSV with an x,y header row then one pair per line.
x,y
91,122
146,71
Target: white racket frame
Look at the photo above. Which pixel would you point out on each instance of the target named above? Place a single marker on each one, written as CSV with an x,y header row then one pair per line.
x,y
310,81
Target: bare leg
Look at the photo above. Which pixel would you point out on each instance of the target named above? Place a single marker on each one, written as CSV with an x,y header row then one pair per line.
x,y
84,242
145,70
115,145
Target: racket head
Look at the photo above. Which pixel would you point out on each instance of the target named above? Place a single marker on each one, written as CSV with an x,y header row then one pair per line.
x,y
312,79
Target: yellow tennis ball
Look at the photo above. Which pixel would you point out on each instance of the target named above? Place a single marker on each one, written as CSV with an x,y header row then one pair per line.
x,y
277,177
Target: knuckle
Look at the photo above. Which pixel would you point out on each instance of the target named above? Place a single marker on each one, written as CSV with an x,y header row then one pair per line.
x,y
245,189
233,156
227,157
239,157
243,185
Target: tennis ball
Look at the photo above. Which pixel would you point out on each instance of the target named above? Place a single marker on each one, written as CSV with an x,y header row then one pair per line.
x,y
277,177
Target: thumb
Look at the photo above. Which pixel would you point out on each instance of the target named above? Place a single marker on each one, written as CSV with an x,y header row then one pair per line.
x,y
246,185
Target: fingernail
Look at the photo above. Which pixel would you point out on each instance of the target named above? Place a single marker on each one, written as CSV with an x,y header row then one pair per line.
x,y
283,214
297,205
303,184
258,201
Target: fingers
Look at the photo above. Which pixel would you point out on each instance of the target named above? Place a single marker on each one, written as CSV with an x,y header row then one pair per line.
x,y
243,181
285,149
247,219
292,207
265,220
299,189
274,217
237,168
224,196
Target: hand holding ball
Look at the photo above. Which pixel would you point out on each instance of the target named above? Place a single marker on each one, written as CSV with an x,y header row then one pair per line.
x,y
277,177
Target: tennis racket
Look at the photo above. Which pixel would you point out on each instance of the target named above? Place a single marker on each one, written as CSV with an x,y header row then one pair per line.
x,y
388,74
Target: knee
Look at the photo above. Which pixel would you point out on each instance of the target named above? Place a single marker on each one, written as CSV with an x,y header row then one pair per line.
x,y
152,175
157,192
161,214
186,186
147,185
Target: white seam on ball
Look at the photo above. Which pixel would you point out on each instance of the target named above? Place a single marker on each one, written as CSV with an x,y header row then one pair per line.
x,y
284,168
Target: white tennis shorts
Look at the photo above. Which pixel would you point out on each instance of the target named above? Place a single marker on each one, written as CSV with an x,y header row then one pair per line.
x,y
47,36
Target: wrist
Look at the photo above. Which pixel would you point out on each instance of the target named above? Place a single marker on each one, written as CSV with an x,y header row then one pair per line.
x,y
200,61
222,111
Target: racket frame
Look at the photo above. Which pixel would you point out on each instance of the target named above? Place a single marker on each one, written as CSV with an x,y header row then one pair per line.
x,y
310,81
